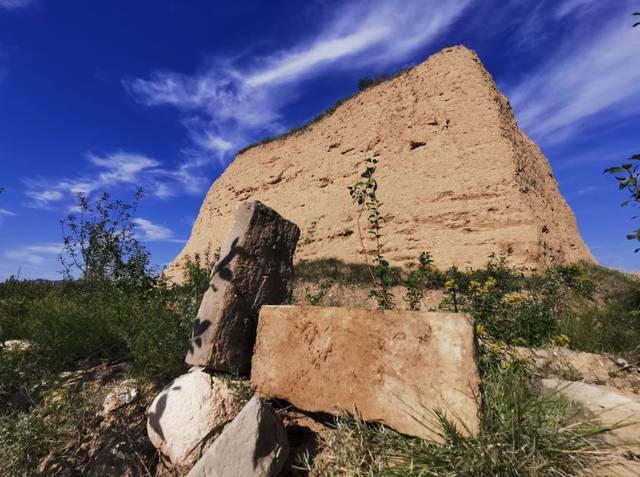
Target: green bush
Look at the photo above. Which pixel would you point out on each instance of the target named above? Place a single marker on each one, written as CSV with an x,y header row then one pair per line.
x,y
89,321
508,306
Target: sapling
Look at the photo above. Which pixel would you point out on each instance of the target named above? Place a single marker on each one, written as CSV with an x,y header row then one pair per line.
x,y
364,195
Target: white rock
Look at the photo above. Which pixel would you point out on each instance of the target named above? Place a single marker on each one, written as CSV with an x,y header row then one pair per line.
x,y
122,394
610,407
16,345
253,445
189,414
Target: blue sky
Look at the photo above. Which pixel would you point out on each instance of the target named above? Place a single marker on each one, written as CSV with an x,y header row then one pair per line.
x,y
110,95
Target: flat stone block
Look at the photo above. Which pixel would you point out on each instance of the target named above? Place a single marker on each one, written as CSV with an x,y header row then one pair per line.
x,y
393,367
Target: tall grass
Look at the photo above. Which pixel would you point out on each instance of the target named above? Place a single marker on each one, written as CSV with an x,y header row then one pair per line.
x,y
522,433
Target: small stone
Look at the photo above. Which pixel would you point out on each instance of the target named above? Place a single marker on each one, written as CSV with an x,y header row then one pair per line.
x,y
188,415
255,268
253,445
393,367
122,395
15,345
622,363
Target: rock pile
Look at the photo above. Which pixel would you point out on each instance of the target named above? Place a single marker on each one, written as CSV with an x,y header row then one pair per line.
x,y
396,368
190,414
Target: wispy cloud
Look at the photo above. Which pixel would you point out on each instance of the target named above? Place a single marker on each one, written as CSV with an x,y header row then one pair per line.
x,y
14,4
153,232
4,213
107,172
595,71
34,254
573,8
230,102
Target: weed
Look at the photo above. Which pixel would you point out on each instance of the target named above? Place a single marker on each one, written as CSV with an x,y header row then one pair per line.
x,y
521,433
316,299
417,281
364,195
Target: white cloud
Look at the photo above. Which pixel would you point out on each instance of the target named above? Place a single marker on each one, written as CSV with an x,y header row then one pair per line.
x,y
43,198
229,104
6,213
107,173
34,254
153,232
595,72
14,4
114,169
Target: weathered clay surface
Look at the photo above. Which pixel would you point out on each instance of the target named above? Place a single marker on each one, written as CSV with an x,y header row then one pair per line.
x,y
608,405
395,367
456,175
188,414
253,445
255,268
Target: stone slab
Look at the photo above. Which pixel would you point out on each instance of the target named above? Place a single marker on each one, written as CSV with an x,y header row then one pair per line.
x,y
393,367
255,268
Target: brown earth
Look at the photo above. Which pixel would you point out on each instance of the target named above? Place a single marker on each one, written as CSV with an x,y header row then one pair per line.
x,y
457,176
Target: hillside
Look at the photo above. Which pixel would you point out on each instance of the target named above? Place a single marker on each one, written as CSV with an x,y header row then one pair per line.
x,y
457,176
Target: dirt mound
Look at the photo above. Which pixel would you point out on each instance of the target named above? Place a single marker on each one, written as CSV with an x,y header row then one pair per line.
x,y
457,176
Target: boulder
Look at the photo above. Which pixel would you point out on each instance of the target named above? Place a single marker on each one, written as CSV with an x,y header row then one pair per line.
x,y
189,414
393,367
255,268
608,405
253,445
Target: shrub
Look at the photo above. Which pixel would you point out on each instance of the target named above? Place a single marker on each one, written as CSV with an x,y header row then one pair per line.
x,y
91,321
100,244
507,306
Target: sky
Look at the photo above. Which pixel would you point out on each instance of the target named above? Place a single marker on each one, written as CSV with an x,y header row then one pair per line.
x,y
109,95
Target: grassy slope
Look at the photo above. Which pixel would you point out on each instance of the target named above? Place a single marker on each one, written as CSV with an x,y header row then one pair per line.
x,y
71,326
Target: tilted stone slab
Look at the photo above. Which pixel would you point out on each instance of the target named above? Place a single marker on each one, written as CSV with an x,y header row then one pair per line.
x,y
255,268
254,444
394,367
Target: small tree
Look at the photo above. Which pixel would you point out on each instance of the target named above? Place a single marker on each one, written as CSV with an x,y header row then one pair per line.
x,y
100,243
364,195
628,177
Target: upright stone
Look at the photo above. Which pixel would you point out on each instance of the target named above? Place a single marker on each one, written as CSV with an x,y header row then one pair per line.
x,y
255,268
394,367
253,445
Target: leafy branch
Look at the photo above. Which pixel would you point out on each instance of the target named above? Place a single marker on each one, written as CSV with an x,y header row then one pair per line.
x,y
628,177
